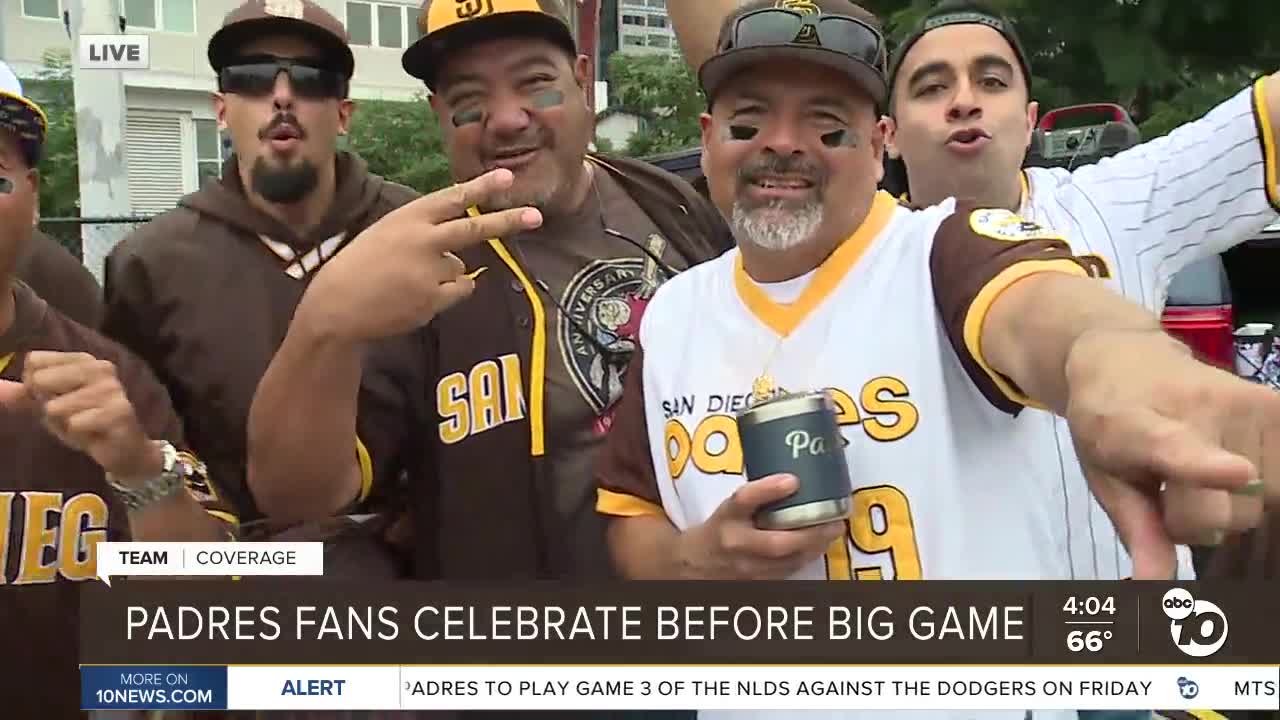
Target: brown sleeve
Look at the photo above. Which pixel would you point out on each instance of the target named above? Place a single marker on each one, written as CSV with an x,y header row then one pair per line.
x,y
626,483
977,254
58,277
391,412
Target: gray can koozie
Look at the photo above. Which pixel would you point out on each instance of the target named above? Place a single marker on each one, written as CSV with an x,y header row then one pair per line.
x,y
797,435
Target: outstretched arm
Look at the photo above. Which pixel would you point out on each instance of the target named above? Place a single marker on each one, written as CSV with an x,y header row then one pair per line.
x,y
1173,448
697,23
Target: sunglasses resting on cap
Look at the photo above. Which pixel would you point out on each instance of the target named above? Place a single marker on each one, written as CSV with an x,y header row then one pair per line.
x,y
255,76
843,42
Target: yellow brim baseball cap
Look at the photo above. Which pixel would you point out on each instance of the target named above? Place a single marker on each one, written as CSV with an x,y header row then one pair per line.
x,y
21,116
447,26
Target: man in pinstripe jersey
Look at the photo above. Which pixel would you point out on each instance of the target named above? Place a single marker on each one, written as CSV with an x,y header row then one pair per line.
x,y
961,102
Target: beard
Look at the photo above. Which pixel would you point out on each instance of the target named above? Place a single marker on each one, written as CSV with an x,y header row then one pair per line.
x,y
778,225
286,184
525,192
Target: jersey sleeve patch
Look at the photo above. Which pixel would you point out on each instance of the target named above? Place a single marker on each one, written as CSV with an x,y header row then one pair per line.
x,y
1001,224
977,254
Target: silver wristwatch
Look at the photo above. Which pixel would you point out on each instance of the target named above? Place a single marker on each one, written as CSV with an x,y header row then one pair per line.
x,y
170,481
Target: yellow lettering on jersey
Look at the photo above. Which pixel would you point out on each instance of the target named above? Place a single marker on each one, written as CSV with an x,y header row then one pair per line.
x,y
488,395
73,534
678,445
903,416
880,524
84,523
486,405
885,414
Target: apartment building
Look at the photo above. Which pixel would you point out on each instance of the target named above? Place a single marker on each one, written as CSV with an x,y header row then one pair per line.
x,y
172,138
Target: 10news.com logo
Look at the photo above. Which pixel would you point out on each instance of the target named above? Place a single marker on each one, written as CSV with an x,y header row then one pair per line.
x,y
1198,627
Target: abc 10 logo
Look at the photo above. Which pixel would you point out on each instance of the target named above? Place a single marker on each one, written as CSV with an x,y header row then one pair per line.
x,y
1198,627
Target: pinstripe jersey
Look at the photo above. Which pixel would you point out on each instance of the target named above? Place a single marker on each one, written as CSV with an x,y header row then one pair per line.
x,y
1150,212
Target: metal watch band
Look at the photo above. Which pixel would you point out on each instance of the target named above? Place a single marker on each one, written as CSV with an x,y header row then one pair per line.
x,y
169,482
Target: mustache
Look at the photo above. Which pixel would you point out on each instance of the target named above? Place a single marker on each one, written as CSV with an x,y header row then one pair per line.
x,y
283,119
777,165
533,139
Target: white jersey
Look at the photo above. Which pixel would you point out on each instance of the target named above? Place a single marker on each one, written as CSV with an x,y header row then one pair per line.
x,y
946,485
1149,212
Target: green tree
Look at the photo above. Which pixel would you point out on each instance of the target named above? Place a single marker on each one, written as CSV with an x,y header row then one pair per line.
x,y
663,88
401,142
59,170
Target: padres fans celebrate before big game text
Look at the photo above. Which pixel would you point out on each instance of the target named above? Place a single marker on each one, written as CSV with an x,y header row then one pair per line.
x,y
205,292
960,119
927,327
519,380
88,443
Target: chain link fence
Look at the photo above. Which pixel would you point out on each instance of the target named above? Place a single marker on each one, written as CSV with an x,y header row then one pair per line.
x,y
102,232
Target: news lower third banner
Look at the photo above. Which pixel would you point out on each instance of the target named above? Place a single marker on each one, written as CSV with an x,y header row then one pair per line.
x,y
314,643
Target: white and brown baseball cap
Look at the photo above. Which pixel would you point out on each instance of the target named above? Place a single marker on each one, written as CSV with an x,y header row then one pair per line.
x,y
303,18
450,25
21,116
836,33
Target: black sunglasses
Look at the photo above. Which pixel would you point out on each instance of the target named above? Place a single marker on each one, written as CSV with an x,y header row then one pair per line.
x,y
256,77
779,26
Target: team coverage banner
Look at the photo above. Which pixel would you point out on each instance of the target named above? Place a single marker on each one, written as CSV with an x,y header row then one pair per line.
x,y
273,643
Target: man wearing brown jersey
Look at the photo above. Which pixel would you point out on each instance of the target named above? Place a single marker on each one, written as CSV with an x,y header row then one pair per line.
x,y
88,451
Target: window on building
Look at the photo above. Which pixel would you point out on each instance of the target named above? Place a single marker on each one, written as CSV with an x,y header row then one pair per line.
x,y
661,4
385,25
658,21
659,41
168,15
633,20
633,41
41,9
211,150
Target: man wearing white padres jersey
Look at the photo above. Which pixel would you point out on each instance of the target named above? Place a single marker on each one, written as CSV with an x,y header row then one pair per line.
x,y
928,328
960,119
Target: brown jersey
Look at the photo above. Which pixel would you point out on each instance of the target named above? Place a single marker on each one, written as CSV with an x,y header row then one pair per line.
x,y
55,506
205,293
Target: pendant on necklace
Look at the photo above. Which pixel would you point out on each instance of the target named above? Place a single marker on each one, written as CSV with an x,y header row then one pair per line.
x,y
763,389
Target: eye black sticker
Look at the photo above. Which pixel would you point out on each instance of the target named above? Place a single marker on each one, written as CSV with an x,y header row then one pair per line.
x,y
548,98
742,132
467,117
7,186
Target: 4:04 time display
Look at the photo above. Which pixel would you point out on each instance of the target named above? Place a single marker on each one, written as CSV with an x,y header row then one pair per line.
x,y
1091,605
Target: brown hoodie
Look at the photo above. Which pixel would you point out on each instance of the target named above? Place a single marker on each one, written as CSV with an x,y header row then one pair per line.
x,y
205,292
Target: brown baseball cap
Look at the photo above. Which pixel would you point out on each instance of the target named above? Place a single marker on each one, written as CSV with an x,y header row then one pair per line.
x,y
449,25
296,17
835,33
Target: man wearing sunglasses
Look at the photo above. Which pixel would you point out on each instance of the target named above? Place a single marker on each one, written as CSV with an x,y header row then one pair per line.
x,y
520,378
88,449
205,292
928,329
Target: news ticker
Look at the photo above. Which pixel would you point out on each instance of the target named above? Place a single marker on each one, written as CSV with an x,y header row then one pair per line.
x,y
750,687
